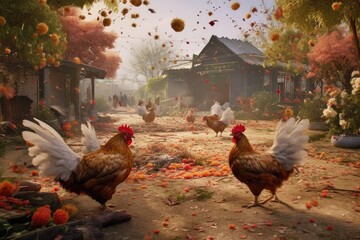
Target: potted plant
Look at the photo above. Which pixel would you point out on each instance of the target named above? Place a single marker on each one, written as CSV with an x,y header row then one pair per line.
x,y
343,114
312,109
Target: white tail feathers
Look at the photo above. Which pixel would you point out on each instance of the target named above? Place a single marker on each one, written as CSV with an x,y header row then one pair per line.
x,y
289,143
216,109
227,116
90,141
51,154
141,110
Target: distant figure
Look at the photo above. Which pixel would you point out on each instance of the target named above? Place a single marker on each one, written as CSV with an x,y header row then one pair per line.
x,y
115,101
157,106
149,104
120,99
125,100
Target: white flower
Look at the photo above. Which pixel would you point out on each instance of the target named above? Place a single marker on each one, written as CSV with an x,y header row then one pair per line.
x,y
343,123
329,112
331,102
354,91
355,74
343,94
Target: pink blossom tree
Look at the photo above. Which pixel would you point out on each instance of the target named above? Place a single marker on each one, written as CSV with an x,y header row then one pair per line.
x,y
333,58
88,41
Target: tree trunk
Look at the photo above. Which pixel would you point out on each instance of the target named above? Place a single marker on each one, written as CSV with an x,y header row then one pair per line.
x,y
355,38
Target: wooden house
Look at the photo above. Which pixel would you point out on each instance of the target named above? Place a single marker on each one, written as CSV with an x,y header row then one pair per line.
x,y
50,86
229,69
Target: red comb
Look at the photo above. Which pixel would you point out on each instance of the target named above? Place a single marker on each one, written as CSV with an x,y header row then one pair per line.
x,y
126,129
238,128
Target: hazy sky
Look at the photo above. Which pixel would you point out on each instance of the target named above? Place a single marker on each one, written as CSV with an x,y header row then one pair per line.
x,y
197,32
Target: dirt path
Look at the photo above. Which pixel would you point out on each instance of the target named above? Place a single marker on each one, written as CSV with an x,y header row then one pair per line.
x,y
203,201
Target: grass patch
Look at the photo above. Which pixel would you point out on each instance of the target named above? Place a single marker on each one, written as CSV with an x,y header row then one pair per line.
x,y
202,194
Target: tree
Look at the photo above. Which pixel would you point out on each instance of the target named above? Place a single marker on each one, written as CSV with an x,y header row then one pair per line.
x,y
151,59
308,16
333,58
290,48
24,41
30,33
88,41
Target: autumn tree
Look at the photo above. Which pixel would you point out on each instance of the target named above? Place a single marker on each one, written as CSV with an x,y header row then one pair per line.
x,y
151,58
333,58
88,40
308,16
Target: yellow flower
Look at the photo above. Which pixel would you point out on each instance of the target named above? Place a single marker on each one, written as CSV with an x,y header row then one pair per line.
x,y
289,112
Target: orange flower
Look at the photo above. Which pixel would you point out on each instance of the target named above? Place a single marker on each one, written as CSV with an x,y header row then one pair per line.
x,y
278,13
56,64
42,2
42,63
275,37
336,6
7,188
77,60
7,51
235,6
70,209
60,216
42,28
55,38
177,24
2,21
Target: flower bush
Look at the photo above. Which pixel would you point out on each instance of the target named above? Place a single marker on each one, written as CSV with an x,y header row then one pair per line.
x,y
343,108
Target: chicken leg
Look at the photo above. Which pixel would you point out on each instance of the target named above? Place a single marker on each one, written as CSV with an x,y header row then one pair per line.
x,y
276,199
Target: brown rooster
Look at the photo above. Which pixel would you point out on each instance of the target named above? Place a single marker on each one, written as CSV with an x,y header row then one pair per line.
x,y
190,117
148,115
269,169
219,125
96,174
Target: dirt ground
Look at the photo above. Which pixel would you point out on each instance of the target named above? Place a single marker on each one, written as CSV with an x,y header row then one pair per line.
x,y
205,200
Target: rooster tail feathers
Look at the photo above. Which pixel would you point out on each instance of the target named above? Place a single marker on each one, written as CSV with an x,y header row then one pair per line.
x,y
227,116
90,141
141,110
216,109
289,142
49,151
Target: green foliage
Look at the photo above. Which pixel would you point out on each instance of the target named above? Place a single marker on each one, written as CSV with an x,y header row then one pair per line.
x,y
312,109
319,14
155,86
202,194
45,114
291,49
17,34
266,104
102,105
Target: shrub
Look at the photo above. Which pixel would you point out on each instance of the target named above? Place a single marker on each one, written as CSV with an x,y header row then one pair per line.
x,y
266,105
312,109
102,105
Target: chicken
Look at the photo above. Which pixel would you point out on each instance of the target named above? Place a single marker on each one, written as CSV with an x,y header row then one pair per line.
x,y
190,117
96,174
268,170
219,125
147,115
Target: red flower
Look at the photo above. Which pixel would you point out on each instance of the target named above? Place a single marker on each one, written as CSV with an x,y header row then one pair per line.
x,y
206,81
41,217
7,188
60,216
278,91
